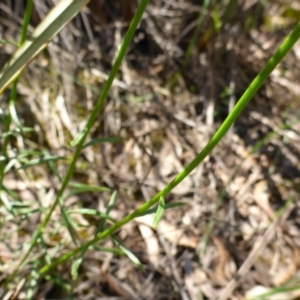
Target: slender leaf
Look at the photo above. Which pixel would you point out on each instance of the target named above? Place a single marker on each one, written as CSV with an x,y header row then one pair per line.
x,y
167,206
159,212
89,188
75,266
41,160
110,206
128,253
4,42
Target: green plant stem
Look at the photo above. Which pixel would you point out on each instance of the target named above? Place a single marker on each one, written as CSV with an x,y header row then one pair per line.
x,y
82,136
285,47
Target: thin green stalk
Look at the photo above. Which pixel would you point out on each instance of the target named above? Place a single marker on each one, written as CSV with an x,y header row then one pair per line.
x,y
26,20
94,115
244,100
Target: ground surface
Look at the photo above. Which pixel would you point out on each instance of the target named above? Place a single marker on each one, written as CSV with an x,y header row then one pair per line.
x,y
232,199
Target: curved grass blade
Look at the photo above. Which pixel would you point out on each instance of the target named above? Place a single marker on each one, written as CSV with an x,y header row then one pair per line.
x,y
159,212
89,188
128,253
8,42
40,160
75,267
167,206
282,292
110,206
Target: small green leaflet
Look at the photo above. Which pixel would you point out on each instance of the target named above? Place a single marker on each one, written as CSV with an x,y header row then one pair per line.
x,y
75,266
110,206
128,253
89,188
78,138
103,140
159,213
17,132
40,160
167,206
2,41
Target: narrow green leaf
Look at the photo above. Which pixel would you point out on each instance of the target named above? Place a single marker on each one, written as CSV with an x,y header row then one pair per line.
x,y
75,266
6,202
4,42
128,253
25,153
159,212
89,188
53,167
17,132
103,140
110,206
78,138
112,202
8,165
69,222
79,191
167,206
40,160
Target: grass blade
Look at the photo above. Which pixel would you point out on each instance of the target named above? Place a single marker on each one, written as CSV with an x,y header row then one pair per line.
x,y
159,212
128,253
167,206
40,160
91,212
89,188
